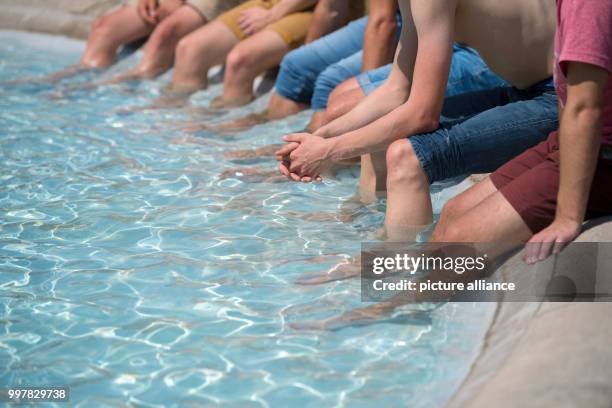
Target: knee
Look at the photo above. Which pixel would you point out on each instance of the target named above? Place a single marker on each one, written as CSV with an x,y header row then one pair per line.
x,y
336,95
335,109
238,61
96,23
403,165
298,64
328,80
165,32
186,51
452,226
450,212
101,29
453,229
449,232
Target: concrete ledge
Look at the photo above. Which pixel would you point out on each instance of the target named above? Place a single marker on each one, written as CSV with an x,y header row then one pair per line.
x,y
545,354
63,17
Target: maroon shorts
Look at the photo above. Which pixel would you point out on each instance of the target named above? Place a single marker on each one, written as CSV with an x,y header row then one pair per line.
x,y
530,183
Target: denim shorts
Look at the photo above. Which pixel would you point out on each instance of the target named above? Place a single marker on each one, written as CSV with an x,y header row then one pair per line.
x,y
301,68
309,74
481,130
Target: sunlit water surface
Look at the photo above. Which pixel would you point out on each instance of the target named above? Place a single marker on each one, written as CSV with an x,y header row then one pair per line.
x,y
139,265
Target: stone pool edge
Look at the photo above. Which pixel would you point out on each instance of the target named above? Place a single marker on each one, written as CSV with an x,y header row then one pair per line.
x,y
533,354
61,17
544,354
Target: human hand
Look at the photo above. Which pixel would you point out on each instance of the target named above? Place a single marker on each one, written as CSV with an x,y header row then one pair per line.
x,y
282,155
148,11
551,240
254,19
305,156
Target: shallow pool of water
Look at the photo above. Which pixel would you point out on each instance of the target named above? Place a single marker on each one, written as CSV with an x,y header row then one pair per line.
x,y
139,265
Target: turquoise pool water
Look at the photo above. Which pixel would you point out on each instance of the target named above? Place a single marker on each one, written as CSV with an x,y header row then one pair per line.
x,y
139,266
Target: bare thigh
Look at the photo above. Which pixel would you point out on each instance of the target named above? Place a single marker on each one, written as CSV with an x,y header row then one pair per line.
x,y
180,23
493,219
473,196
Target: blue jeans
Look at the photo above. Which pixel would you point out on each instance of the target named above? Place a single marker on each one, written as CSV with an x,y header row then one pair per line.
x,y
468,73
479,131
309,74
322,65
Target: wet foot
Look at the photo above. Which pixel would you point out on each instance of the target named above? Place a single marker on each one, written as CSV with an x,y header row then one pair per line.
x,y
343,270
220,102
356,317
253,175
265,151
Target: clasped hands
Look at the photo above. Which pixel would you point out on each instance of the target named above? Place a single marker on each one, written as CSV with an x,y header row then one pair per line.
x,y
304,157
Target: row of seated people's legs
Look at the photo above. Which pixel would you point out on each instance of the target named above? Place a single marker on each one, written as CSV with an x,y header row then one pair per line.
x,y
124,25
197,50
341,100
158,53
110,32
309,74
244,60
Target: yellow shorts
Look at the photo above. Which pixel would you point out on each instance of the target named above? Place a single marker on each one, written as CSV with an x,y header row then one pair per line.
x,y
209,9
292,28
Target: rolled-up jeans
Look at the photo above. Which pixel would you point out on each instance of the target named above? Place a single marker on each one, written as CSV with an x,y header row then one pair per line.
x,y
309,74
480,131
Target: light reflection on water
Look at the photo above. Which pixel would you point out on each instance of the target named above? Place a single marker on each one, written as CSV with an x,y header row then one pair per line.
x,y
131,270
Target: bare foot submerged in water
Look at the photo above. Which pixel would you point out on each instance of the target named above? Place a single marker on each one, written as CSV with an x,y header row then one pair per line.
x,y
253,175
221,102
347,269
232,127
263,151
349,211
364,316
69,72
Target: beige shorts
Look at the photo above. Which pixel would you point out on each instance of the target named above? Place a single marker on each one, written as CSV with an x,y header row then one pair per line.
x,y
209,9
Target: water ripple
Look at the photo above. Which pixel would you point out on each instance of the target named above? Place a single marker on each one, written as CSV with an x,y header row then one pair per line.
x,y
139,266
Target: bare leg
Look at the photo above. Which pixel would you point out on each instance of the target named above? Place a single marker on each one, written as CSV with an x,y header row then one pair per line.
x,y
242,123
372,181
409,209
492,219
343,270
248,59
317,120
465,201
159,50
345,97
254,175
480,214
109,32
197,52
280,107
249,154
